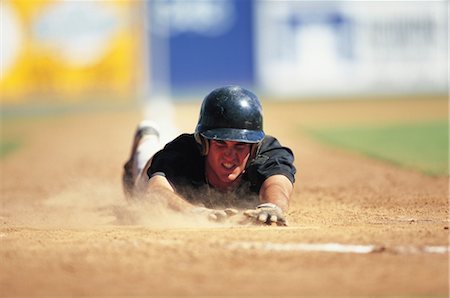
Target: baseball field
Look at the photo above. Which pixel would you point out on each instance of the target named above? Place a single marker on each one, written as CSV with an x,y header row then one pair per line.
x,y
369,215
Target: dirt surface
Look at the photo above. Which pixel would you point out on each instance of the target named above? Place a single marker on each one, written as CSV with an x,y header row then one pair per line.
x,y
66,229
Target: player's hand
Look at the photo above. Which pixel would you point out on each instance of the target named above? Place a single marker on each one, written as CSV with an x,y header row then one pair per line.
x,y
267,213
215,214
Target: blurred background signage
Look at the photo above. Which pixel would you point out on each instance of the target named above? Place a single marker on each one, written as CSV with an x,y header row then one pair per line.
x,y
198,45
345,47
128,50
68,50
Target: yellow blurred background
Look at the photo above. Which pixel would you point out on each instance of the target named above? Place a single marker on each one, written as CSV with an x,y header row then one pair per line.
x,y
46,55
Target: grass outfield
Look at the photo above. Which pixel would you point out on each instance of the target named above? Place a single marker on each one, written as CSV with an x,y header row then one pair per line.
x,y
8,146
420,145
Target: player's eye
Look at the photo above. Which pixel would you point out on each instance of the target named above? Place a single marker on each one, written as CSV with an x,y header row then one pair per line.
x,y
240,146
220,143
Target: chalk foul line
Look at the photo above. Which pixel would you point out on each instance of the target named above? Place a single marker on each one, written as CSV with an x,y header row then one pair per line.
x,y
337,248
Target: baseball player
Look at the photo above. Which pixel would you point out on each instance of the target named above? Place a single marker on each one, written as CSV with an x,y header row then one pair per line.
x,y
227,163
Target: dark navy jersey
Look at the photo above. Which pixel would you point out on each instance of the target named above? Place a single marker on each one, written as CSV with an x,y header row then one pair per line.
x,y
182,164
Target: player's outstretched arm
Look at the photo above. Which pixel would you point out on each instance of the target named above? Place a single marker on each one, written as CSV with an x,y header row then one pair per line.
x,y
161,187
277,190
274,196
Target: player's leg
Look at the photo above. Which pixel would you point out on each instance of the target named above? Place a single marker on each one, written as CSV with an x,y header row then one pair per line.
x,y
146,143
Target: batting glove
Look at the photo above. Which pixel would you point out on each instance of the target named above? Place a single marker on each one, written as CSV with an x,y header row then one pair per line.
x,y
267,213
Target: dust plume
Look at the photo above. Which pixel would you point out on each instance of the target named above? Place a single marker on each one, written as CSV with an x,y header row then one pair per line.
x,y
88,204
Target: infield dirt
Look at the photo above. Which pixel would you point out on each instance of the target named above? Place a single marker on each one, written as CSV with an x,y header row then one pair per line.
x,y
66,229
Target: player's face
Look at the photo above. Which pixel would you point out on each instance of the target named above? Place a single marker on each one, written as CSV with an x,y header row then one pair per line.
x,y
225,163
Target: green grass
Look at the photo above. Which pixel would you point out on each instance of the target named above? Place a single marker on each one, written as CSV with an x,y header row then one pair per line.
x,y
7,147
422,146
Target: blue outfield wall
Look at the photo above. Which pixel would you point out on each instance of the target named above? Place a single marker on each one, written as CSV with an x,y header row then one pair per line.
x,y
203,44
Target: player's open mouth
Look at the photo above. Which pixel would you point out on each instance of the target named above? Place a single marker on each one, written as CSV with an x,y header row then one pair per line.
x,y
228,166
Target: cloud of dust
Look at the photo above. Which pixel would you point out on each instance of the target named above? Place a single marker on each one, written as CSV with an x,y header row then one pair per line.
x,y
96,204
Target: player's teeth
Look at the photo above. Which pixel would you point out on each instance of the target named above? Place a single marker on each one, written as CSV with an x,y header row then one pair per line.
x,y
228,165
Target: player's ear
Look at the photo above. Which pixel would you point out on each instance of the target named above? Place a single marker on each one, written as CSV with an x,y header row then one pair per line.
x,y
203,144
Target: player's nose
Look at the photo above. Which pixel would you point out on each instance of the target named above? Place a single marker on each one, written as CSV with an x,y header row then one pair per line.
x,y
229,153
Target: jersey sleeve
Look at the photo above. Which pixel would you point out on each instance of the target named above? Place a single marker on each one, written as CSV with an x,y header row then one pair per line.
x,y
178,161
272,159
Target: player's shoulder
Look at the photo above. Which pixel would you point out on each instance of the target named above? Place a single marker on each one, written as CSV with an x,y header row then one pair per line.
x,y
271,144
182,140
270,141
184,143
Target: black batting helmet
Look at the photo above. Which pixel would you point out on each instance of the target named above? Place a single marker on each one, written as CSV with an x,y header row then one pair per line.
x,y
230,113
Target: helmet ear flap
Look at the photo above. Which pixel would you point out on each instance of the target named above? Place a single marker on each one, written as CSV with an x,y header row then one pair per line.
x,y
254,150
203,144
